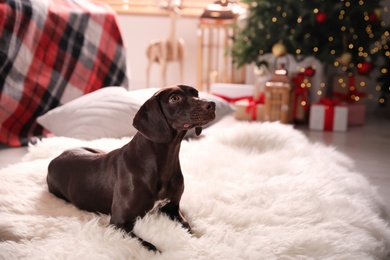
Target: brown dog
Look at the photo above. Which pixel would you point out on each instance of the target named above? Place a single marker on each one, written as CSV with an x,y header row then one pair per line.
x,y
144,174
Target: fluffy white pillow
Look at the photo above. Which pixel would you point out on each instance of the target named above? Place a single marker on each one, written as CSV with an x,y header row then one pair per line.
x,y
108,112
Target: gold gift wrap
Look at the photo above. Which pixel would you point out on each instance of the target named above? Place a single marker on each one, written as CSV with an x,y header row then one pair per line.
x,y
278,97
351,89
249,111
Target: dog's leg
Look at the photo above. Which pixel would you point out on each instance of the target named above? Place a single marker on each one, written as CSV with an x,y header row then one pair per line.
x,y
129,230
174,213
144,243
125,218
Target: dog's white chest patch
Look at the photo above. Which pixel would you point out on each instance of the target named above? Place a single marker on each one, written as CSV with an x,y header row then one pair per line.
x,y
159,204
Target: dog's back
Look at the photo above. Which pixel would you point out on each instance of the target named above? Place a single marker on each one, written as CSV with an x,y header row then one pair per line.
x,y
71,176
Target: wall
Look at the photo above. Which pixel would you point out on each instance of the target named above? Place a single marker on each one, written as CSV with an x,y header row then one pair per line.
x,y
138,31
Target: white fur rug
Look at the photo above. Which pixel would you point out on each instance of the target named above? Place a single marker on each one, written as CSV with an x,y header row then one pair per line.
x,y
253,191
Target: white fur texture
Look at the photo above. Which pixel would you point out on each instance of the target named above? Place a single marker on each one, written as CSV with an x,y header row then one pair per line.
x,y
253,191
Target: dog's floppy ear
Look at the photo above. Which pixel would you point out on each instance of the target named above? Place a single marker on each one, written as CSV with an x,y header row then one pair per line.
x,y
151,122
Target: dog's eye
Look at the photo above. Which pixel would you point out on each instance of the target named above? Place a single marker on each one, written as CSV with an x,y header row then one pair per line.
x,y
174,98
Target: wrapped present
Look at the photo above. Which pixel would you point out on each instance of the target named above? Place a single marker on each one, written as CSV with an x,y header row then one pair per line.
x,y
349,88
277,97
356,114
250,109
232,92
328,115
301,96
294,66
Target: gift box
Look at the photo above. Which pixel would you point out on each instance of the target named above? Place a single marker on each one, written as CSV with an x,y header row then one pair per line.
x,y
356,114
277,97
328,115
232,92
247,109
299,111
300,102
349,88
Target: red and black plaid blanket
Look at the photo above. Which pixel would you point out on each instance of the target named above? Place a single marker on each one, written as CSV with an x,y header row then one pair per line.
x,y
52,51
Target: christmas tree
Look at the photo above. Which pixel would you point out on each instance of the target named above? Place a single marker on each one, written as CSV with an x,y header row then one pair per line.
x,y
337,32
384,77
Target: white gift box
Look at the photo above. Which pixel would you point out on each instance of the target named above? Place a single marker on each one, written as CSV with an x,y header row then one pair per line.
x,y
233,92
322,118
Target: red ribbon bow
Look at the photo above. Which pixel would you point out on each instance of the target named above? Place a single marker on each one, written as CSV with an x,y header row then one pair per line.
x,y
252,106
329,106
329,102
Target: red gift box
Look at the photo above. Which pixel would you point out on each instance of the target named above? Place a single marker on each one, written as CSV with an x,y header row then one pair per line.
x,y
300,97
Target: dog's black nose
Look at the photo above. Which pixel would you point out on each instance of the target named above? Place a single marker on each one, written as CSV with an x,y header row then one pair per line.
x,y
209,105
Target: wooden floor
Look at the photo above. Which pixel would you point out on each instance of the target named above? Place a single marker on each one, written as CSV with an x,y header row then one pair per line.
x,y
367,145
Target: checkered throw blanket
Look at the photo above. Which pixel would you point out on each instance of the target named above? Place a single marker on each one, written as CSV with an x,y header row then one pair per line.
x,y
52,51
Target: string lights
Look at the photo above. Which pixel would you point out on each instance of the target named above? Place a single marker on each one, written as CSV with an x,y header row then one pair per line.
x,y
360,29
341,33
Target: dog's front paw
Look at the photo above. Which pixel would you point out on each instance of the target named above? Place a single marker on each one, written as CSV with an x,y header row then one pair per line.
x,y
186,226
144,243
150,246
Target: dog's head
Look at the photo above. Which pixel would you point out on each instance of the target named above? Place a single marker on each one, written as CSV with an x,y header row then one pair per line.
x,y
174,108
